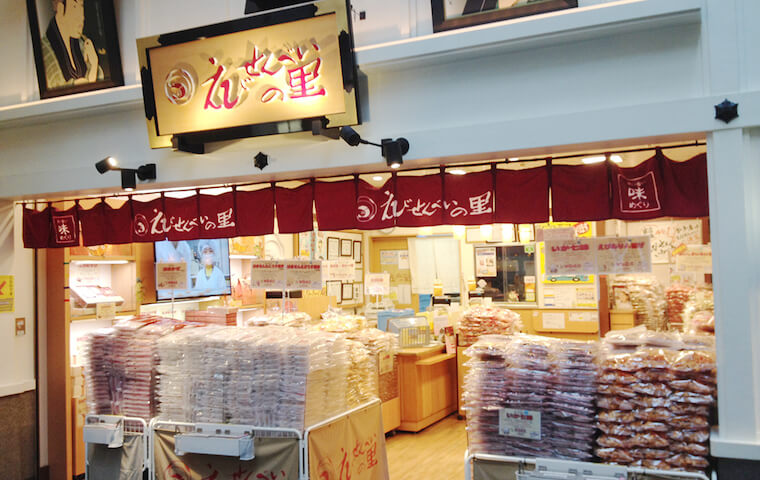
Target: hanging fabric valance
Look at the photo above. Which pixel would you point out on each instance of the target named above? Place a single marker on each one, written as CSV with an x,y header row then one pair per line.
x,y
658,187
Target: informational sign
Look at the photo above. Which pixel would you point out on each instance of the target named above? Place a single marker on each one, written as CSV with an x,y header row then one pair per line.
x,y
570,257
7,294
668,235
623,255
555,234
268,274
265,75
105,311
377,284
303,275
553,320
530,288
385,361
341,270
171,276
485,262
694,259
520,423
585,296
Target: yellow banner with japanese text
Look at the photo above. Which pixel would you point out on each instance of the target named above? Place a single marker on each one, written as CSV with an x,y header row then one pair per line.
x,y
351,448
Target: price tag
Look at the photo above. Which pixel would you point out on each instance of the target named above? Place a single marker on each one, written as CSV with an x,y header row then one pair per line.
x,y
520,423
377,284
105,311
171,276
385,362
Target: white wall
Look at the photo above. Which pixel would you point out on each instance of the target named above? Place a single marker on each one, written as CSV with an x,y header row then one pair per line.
x,y
16,353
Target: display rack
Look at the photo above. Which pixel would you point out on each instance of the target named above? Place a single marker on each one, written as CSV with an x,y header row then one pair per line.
x,y
105,437
502,466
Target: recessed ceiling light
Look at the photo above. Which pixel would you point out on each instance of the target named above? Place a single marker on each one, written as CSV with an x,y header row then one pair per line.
x,y
601,158
457,171
377,178
514,159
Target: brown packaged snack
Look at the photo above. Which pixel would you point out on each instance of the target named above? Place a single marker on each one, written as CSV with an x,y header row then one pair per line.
x,y
651,402
617,377
684,460
692,386
615,442
623,362
688,422
650,440
655,375
650,453
690,409
654,414
652,464
617,390
650,427
694,361
652,389
615,455
614,416
616,429
614,403
698,449
692,398
652,358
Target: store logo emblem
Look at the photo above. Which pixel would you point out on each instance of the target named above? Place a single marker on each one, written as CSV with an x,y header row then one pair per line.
x,y
141,225
366,209
64,228
180,84
638,195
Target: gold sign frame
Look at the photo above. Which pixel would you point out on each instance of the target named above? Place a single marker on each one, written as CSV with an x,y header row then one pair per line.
x,y
193,139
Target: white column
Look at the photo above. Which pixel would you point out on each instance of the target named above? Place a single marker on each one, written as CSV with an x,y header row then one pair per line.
x,y
734,174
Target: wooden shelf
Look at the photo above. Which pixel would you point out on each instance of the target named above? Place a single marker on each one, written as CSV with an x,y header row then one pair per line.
x,y
537,31
88,259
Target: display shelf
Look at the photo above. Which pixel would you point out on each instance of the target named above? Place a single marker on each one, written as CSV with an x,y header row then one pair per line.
x,y
104,260
536,31
119,316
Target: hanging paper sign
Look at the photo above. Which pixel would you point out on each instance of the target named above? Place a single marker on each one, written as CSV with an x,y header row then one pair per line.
x,y
171,276
554,234
570,257
377,284
268,274
485,262
340,270
695,259
520,423
7,293
301,275
623,255
385,362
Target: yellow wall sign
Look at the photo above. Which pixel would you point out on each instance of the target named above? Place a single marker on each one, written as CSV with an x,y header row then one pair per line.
x,y
7,293
263,75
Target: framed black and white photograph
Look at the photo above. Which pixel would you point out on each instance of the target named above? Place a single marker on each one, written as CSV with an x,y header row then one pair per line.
x,y
76,46
453,14
358,251
346,247
333,248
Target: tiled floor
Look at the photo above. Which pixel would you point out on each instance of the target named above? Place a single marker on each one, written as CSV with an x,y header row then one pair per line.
x,y
432,454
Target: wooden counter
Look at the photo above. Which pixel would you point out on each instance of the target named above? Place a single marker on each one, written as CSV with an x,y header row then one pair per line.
x,y
428,382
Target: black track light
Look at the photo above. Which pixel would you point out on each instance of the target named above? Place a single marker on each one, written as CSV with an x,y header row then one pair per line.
x,y
350,136
394,151
147,172
128,181
108,163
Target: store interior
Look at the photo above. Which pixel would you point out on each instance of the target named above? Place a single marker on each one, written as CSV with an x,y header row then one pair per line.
x,y
419,309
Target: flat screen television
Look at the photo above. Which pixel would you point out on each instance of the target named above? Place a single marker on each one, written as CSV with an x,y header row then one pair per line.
x,y
208,266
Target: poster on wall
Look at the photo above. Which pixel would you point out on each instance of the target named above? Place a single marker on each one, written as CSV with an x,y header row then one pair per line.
x,y
570,257
623,255
341,270
694,259
668,235
7,294
485,262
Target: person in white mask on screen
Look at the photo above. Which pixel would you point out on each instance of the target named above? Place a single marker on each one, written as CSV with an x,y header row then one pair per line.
x,y
210,277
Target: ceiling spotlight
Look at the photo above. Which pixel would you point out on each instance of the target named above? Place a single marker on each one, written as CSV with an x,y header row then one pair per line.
x,y
394,150
261,160
601,158
147,172
350,136
128,180
514,159
377,178
457,171
108,163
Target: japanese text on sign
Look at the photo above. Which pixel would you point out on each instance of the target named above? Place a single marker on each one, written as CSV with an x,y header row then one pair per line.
x,y
338,270
268,275
7,294
623,255
171,276
570,257
377,284
275,73
520,423
303,275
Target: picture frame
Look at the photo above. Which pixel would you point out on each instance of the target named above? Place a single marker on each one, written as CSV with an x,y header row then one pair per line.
x,y
334,289
333,248
358,251
348,292
346,247
93,62
447,16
